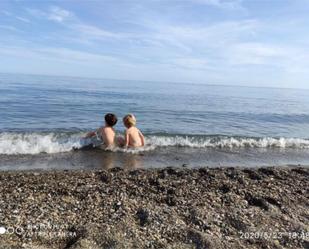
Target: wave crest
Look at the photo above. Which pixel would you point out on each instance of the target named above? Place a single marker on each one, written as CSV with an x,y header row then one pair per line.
x,y
35,143
12,143
228,142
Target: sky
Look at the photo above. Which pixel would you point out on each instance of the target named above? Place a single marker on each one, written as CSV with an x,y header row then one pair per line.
x,y
229,42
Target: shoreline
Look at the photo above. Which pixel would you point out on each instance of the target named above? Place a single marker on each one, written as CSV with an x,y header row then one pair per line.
x,y
265,207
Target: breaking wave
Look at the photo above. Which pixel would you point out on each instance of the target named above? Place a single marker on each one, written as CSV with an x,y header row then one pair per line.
x,y
35,143
228,142
12,143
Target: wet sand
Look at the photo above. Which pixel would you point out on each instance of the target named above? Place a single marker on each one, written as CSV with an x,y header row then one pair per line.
x,y
155,208
93,159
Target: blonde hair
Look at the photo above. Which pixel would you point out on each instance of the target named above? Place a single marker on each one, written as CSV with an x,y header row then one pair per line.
x,y
129,120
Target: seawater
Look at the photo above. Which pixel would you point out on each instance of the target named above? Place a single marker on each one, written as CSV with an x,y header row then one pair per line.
x,y
43,120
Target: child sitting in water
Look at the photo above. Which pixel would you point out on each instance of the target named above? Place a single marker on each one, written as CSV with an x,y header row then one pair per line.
x,y
133,136
107,132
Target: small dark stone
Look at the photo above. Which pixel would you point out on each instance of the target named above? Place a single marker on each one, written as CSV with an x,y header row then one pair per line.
x,y
237,223
171,201
203,171
225,188
117,206
258,202
153,182
267,171
273,201
206,227
241,181
170,191
116,169
301,171
162,174
252,174
105,177
143,216
171,171
134,172
301,191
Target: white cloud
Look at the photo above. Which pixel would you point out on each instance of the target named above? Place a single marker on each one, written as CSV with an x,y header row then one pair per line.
x,y
198,39
54,13
190,63
58,54
58,14
216,33
23,19
82,31
254,53
93,31
287,59
9,14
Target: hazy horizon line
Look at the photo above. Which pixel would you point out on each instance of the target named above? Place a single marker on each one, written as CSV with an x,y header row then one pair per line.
x,y
156,81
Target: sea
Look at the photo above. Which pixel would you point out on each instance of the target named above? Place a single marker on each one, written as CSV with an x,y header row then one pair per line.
x,y
43,120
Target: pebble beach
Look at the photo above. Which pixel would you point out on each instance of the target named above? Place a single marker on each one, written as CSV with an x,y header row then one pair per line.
x,y
155,208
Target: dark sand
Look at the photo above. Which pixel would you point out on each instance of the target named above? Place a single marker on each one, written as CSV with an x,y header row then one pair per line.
x,y
155,208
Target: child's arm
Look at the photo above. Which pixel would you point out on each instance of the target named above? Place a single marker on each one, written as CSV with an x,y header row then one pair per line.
x,y
92,133
142,138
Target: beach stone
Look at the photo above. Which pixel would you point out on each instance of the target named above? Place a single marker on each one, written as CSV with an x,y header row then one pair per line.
x,y
300,171
237,223
225,188
252,174
273,201
116,169
267,171
202,241
171,201
143,216
105,177
257,201
171,171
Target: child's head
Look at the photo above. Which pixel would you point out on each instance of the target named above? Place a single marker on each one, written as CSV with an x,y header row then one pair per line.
x,y
129,120
110,119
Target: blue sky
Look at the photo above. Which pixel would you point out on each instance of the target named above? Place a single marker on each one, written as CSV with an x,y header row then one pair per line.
x,y
241,42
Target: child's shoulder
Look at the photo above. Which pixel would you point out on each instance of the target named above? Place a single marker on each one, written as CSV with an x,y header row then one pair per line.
x,y
107,128
131,129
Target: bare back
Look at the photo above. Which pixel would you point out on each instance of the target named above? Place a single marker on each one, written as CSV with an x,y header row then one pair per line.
x,y
108,135
134,138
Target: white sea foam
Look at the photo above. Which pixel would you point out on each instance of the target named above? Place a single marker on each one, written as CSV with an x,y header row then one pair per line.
x,y
35,143
227,142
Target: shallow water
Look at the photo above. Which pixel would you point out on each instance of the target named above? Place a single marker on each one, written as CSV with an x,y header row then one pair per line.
x,y
42,118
